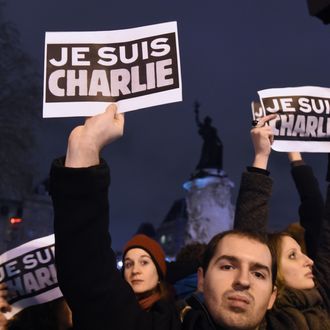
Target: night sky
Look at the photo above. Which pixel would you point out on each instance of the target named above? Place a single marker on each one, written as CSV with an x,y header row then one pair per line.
x,y
229,50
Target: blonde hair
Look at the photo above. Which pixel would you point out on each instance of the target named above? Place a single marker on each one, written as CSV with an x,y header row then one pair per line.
x,y
275,244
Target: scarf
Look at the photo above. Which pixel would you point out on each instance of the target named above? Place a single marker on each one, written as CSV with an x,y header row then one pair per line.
x,y
146,302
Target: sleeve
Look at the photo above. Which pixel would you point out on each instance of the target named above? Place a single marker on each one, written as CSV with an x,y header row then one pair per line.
x,y
86,265
311,205
252,202
322,259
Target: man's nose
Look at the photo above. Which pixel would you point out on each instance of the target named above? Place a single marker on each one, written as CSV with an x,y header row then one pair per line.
x,y
242,279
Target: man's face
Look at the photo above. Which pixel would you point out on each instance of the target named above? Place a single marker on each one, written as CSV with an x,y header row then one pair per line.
x,y
237,285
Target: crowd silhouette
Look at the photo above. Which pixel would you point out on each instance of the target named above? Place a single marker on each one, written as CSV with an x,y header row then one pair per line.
x,y
244,278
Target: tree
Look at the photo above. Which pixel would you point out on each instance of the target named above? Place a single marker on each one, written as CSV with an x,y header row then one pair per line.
x,y
20,99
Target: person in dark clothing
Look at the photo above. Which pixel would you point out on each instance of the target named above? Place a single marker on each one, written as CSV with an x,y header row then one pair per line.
x,y
303,284
237,278
51,315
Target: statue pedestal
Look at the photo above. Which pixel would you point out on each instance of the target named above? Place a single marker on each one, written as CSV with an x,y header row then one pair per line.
x,y
209,206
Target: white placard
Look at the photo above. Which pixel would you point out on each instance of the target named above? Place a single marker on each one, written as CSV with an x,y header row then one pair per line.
x,y
30,275
85,71
303,121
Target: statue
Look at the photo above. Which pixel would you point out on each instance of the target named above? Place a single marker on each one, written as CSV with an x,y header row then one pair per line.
x,y
211,156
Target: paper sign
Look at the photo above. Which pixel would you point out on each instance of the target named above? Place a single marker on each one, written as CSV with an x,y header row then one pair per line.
x,y
85,71
30,274
303,121
257,110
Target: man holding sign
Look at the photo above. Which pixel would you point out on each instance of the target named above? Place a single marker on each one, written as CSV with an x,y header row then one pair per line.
x,y
96,292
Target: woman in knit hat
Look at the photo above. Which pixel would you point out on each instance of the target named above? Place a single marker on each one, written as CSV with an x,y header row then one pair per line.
x,y
144,268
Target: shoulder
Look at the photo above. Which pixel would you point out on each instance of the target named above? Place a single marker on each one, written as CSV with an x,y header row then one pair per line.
x,y
165,315
193,313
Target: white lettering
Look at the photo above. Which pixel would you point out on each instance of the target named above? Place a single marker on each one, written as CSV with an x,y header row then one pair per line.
x,y
29,261
10,268
30,283
160,48
43,276
63,60
46,258
304,105
119,80
287,122
107,56
123,57
136,86
53,83
275,108
151,78
300,126
162,72
99,83
80,82
78,55
311,126
286,104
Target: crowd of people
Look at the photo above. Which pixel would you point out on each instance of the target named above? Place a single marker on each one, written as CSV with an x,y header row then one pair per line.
x,y
245,278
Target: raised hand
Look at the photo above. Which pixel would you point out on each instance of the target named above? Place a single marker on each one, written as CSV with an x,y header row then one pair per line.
x,y
86,141
262,138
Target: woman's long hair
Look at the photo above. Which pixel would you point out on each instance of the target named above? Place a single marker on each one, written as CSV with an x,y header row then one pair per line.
x,y
275,244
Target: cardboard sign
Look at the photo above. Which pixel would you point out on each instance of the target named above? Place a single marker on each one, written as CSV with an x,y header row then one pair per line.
x,y
85,71
30,274
303,121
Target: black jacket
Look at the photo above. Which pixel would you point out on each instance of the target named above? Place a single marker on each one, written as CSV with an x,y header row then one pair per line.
x,y
100,299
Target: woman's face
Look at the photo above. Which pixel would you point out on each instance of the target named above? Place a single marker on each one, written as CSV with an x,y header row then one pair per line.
x,y
140,271
296,267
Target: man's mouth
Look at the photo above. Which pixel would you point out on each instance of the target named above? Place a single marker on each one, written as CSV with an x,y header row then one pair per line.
x,y
240,301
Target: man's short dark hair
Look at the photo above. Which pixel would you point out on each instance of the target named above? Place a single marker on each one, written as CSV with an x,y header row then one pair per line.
x,y
260,237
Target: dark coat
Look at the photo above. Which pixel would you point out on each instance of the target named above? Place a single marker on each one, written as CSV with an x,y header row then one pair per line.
x,y
97,294
296,308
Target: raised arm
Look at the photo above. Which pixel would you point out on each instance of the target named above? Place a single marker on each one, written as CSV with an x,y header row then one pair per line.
x,y
322,258
255,188
86,265
311,201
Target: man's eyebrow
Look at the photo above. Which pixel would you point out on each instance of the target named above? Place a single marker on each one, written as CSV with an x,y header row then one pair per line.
x,y
258,265
227,257
254,265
